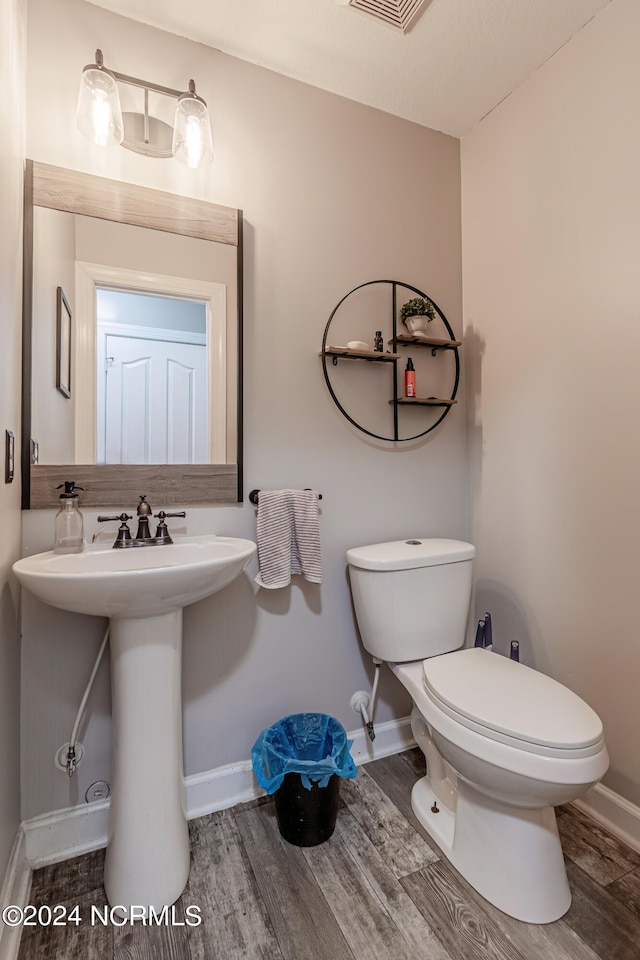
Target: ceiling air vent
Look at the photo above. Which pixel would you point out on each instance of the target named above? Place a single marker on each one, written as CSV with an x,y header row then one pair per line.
x,y
399,14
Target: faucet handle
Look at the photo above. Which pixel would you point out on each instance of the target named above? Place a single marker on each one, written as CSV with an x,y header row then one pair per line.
x,y
162,533
123,537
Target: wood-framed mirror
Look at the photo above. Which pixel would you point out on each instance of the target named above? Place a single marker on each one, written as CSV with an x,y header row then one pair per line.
x,y
151,283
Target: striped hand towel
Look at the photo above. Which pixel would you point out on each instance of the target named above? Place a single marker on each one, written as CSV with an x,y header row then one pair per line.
x,y
288,536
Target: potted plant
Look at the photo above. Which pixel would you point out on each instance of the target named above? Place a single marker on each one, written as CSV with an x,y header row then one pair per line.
x,y
416,314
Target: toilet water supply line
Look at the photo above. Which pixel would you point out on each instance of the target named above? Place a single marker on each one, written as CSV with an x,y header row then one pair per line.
x,y
367,716
71,752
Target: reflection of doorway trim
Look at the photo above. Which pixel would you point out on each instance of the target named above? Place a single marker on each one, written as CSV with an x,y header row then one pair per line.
x,y
90,275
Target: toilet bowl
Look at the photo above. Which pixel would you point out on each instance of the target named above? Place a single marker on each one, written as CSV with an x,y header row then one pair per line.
x,y
491,811
503,743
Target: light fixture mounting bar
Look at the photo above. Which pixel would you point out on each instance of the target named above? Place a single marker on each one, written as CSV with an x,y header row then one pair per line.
x,y
146,85
135,81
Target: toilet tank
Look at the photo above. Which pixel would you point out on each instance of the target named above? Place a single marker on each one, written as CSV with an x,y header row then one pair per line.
x,y
411,597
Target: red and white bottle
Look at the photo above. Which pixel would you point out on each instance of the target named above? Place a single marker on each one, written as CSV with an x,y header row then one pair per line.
x,y
410,379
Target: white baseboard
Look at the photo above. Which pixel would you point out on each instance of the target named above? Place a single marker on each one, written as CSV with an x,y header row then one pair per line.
x,y
69,833
391,737
15,891
220,788
66,833
619,816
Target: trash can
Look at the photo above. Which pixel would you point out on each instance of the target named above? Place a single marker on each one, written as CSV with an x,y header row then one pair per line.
x,y
300,760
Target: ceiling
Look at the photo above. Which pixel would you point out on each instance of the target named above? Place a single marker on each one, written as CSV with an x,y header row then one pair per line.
x,y
457,62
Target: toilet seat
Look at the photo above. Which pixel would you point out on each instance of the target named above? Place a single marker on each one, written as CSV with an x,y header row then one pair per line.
x,y
508,702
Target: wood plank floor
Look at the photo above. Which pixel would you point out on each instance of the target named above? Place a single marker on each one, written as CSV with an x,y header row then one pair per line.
x,y
377,890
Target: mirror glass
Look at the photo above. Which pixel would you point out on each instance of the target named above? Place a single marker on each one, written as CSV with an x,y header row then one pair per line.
x,y
134,338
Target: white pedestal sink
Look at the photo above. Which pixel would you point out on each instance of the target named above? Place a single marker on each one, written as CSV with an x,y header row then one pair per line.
x,y
142,590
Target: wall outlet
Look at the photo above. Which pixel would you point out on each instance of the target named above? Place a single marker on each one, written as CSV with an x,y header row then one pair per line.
x,y
99,790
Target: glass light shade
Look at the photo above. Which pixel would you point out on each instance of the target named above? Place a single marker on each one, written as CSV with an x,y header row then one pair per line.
x,y
192,132
99,115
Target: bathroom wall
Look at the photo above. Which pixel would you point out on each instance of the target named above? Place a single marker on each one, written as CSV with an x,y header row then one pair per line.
x,y
12,68
551,228
334,194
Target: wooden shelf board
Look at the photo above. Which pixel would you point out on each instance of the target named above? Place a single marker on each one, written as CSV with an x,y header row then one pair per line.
x,y
432,342
425,401
359,354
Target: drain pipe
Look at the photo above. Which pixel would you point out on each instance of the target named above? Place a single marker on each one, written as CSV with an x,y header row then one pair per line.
x,y
71,752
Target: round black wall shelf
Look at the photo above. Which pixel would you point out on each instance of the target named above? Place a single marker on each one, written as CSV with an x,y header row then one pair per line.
x,y
397,341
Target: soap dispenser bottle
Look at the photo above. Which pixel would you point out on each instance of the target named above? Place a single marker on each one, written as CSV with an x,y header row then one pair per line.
x,y
69,525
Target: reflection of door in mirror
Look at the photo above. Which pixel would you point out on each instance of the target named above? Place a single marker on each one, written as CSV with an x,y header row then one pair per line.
x,y
152,378
181,417
179,311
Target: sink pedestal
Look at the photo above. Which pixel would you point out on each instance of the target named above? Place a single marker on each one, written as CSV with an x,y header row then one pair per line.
x,y
147,862
143,592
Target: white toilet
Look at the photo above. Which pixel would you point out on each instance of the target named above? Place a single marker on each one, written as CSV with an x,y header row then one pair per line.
x,y
504,744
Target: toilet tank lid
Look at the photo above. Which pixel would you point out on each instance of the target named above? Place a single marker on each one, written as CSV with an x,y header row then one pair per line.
x,y
408,554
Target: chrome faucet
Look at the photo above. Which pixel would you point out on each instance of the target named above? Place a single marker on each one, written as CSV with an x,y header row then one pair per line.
x,y
143,537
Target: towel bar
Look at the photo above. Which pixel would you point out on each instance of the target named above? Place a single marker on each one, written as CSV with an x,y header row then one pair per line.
x,y
253,496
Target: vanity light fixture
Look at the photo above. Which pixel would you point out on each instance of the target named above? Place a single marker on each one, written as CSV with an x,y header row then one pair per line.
x,y
101,120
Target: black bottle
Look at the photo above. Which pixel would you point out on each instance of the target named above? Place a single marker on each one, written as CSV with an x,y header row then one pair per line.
x,y
378,343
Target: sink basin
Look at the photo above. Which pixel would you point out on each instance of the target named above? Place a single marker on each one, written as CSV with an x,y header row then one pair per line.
x,y
142,590
137,581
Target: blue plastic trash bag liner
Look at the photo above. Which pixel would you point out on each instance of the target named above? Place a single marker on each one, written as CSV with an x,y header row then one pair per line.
x,y
311,744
